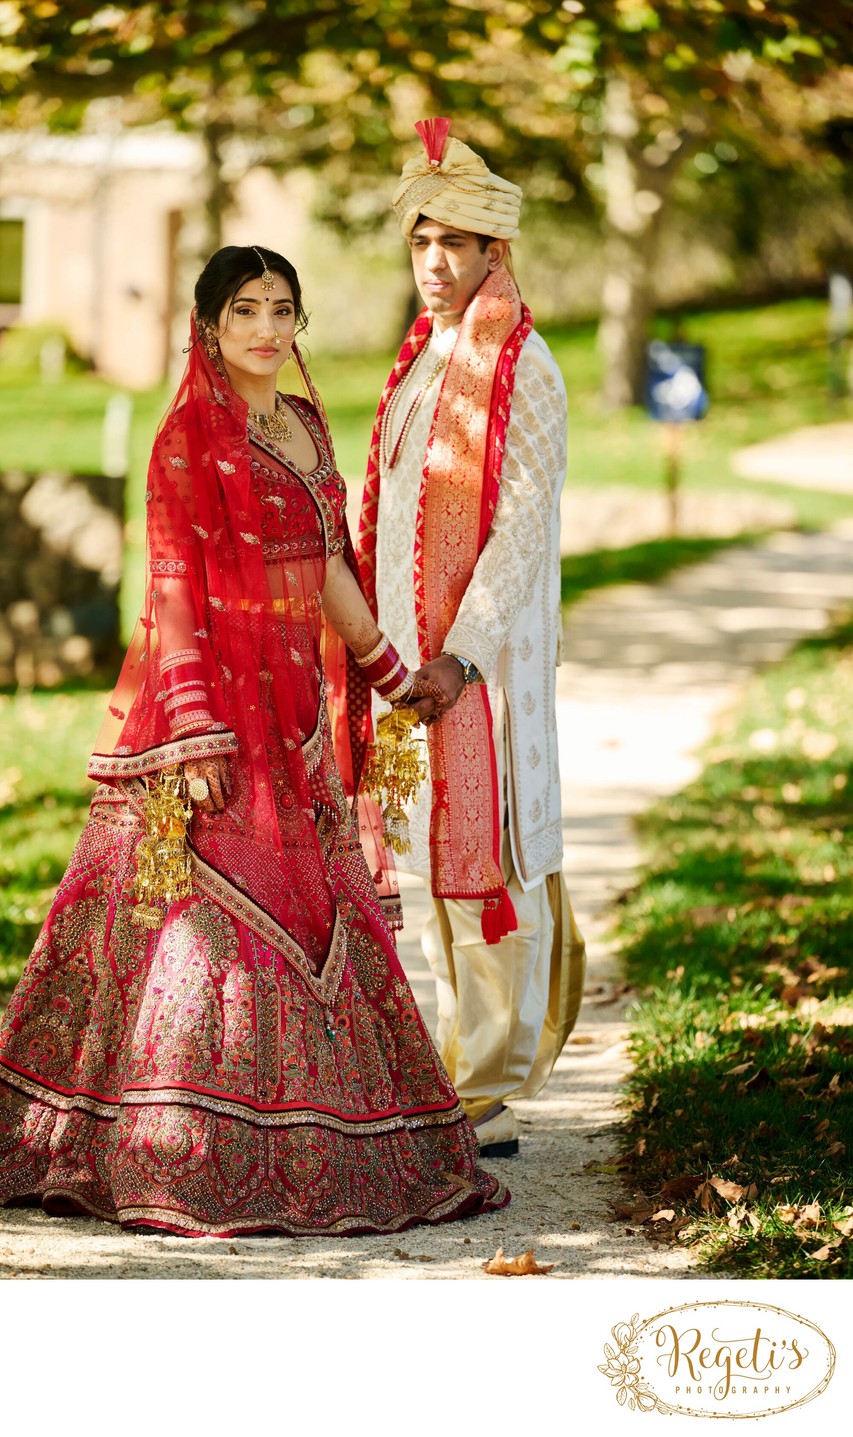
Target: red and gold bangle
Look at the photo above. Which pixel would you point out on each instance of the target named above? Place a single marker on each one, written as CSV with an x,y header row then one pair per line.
x,y
385,671
185,692
182,724
179,659
401,691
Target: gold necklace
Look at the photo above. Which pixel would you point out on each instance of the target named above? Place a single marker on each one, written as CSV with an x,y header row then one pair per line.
x,y
274,426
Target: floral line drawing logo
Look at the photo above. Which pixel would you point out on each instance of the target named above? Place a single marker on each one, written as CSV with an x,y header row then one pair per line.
x,y
624,1370
725,1358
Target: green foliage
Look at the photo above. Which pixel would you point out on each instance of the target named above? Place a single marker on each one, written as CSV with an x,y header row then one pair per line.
x,y
45,741
739,938
22,348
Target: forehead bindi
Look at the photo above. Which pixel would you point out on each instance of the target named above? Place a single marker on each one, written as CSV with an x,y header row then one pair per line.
x,y
281,293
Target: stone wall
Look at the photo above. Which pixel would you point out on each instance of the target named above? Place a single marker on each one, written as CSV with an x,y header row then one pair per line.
x,y
61,553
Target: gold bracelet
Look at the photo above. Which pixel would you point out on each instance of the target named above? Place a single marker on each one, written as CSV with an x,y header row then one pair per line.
x,y
375,652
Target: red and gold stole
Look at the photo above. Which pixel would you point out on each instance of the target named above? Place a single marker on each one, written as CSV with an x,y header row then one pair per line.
x,y
458,496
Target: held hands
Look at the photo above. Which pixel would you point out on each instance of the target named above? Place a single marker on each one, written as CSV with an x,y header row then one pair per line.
x,y
216,773
437,687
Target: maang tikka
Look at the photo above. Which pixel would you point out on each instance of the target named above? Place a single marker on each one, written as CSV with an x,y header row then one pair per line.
x,y
267,278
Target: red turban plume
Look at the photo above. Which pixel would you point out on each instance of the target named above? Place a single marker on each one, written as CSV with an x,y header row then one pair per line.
x,y
433,133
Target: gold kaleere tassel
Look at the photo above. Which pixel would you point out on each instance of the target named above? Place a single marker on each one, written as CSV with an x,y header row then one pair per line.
x,y
394,772
163,867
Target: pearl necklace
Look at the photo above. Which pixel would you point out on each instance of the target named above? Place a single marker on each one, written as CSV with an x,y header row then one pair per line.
x,y
412,411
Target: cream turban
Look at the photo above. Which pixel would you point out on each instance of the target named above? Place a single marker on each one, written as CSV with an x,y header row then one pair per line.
x,y
451,184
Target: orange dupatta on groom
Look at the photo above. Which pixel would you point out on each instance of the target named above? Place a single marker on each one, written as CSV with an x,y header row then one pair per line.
x,y
458,496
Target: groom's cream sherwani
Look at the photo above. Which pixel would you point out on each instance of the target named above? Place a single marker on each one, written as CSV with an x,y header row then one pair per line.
x,y
508,624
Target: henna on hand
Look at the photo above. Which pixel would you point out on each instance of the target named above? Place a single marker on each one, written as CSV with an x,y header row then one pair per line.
x,y
437,687
216,773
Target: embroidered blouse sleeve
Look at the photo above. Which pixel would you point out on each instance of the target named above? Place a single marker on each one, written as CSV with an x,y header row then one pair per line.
x,y
534,469
338,528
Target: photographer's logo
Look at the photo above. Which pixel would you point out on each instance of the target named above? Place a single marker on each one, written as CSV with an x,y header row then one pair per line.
x,y
718,1359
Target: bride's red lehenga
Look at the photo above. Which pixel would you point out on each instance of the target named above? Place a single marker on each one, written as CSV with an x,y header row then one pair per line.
x,y
258,1063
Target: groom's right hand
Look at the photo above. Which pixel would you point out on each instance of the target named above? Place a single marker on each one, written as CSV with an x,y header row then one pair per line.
x,y
445,675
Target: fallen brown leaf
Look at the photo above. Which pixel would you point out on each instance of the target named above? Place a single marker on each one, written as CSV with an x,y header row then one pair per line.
x,y
706,1197
636,1211
799,1085
819,972
790,902
759,1080
809,1216
728,1190
844,1226
740,1214
739,1068
754,1038
707,913
735,1217
664,1214
524,1266
679,1189
793,993
823,1253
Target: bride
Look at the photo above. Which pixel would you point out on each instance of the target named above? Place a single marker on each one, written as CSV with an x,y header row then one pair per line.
x,y
247,1057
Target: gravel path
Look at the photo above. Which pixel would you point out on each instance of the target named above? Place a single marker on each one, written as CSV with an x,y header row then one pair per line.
x,y
648,670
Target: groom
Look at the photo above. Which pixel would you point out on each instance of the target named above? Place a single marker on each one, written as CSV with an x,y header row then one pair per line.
x,y
459,551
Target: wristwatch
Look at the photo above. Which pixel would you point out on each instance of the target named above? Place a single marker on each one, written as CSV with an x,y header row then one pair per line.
x,y
470,673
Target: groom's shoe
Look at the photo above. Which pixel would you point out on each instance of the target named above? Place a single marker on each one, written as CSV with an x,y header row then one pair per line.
x,y
498,1135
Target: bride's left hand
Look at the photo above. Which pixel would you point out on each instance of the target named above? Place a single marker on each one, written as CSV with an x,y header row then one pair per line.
x,y
216,773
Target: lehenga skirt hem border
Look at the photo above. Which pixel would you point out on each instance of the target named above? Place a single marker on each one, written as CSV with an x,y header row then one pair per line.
x,y
258,1115
464,1202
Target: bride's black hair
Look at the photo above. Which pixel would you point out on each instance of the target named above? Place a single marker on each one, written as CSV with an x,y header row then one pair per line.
x,y
229,269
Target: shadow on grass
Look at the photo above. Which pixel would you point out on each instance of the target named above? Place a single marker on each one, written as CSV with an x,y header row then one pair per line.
x,y
739,938
645,563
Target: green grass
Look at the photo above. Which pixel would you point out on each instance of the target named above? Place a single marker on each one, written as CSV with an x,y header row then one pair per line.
x,y
45,741
767,374
645,563
739,939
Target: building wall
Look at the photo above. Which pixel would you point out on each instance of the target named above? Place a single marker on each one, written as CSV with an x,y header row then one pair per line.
x,y
102,229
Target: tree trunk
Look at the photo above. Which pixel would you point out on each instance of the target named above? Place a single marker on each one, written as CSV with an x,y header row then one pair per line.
x,y
637,180
199,235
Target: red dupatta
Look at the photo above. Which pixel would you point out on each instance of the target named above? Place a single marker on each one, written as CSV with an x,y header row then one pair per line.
x,y
255,628
458,496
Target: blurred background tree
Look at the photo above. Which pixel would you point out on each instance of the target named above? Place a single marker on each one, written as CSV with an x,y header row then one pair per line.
x,y
632,111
